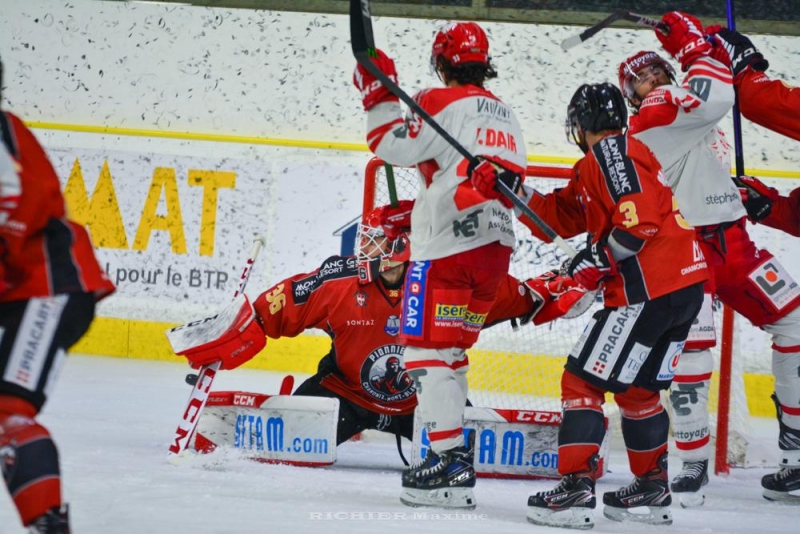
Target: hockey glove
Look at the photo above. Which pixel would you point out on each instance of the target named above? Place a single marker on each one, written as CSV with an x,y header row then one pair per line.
x,y
685,40
373,91
591,265
556,296
486,174
735,50
233,336
757,197
395,220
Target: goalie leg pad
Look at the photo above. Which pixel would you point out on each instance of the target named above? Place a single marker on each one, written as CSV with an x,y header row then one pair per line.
x,y
688,396
29,462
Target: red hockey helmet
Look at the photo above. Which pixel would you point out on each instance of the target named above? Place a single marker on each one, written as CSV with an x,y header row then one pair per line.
x,y
460,43
376,253
634,64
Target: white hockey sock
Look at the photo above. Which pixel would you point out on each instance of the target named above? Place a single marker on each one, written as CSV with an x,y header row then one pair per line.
x,y
688,396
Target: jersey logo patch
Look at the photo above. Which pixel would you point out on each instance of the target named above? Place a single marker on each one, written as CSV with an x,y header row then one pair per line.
x,y
384,377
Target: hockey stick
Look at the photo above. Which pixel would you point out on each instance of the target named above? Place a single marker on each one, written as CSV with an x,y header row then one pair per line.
x,y
363,43
725,364
590,32
205,377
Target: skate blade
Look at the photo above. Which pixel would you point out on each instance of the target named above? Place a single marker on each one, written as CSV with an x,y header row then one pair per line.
x,y
652,515
577,518
781,497
692,499
451,498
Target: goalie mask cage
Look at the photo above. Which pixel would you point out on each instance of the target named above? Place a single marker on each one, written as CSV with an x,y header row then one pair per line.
x,y
521,369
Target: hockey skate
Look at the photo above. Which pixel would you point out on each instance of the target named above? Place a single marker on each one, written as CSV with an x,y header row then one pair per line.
x,y
777,486
645,500
55,521
443,480
568,505
688,483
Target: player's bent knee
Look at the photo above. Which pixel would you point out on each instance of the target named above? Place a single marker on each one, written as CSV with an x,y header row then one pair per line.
x,y
29,462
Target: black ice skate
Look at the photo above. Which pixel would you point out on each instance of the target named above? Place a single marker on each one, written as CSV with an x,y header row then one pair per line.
x,y
689,482
568,505
55,521
778,485
648,495
443,480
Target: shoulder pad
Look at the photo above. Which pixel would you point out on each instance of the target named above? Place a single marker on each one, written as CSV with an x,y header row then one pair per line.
x,y
333,268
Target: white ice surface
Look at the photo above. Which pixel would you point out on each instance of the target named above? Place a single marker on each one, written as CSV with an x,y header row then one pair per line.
x,y
112,420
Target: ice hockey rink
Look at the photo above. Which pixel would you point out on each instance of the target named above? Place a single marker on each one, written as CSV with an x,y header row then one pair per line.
x,y
113,418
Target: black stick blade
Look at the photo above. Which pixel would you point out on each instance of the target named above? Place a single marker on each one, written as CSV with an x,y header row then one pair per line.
x,y
361,36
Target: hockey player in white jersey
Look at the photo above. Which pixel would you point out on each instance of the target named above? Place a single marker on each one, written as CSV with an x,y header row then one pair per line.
x,y
461,240
681,125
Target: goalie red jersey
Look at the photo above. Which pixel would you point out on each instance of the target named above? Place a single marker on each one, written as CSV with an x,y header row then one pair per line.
x,y
617,193
363,321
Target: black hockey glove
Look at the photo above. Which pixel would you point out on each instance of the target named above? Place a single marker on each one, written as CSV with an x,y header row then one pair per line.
x,y
735,50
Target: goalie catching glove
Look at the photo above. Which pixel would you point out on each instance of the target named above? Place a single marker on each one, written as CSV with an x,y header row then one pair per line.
x,y
232,336
556,296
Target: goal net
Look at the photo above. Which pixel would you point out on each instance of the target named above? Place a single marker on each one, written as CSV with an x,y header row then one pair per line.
x,y
521,369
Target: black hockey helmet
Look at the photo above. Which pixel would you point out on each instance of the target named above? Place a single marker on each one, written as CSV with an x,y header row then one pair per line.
x,y
594,108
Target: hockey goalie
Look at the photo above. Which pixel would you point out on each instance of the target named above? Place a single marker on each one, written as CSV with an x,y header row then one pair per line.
x,y
357,302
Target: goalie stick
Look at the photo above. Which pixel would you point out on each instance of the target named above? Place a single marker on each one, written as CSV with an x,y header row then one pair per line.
x,y
205,377
363,43
590,32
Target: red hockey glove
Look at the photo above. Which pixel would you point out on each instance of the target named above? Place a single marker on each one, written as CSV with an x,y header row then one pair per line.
x,y
232,336
556,296
685,40
735,50
486,174
591,265
757,197
396,219
373,92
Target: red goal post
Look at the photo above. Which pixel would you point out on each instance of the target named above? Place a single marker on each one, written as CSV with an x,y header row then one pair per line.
x,y
521,370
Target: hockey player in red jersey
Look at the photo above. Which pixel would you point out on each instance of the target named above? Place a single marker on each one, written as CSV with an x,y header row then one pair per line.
x,y
49,283
773,104
680,125
618,196
461,240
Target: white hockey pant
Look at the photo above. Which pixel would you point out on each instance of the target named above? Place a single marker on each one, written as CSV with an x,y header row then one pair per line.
x,y
440,376
688,395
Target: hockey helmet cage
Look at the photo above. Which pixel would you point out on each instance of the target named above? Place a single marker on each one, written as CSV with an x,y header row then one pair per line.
x,y
634,64
376,253
595,108
460,43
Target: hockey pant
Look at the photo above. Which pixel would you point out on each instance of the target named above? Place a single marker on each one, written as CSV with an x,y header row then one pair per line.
x,y
440,377
354,418
645,425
